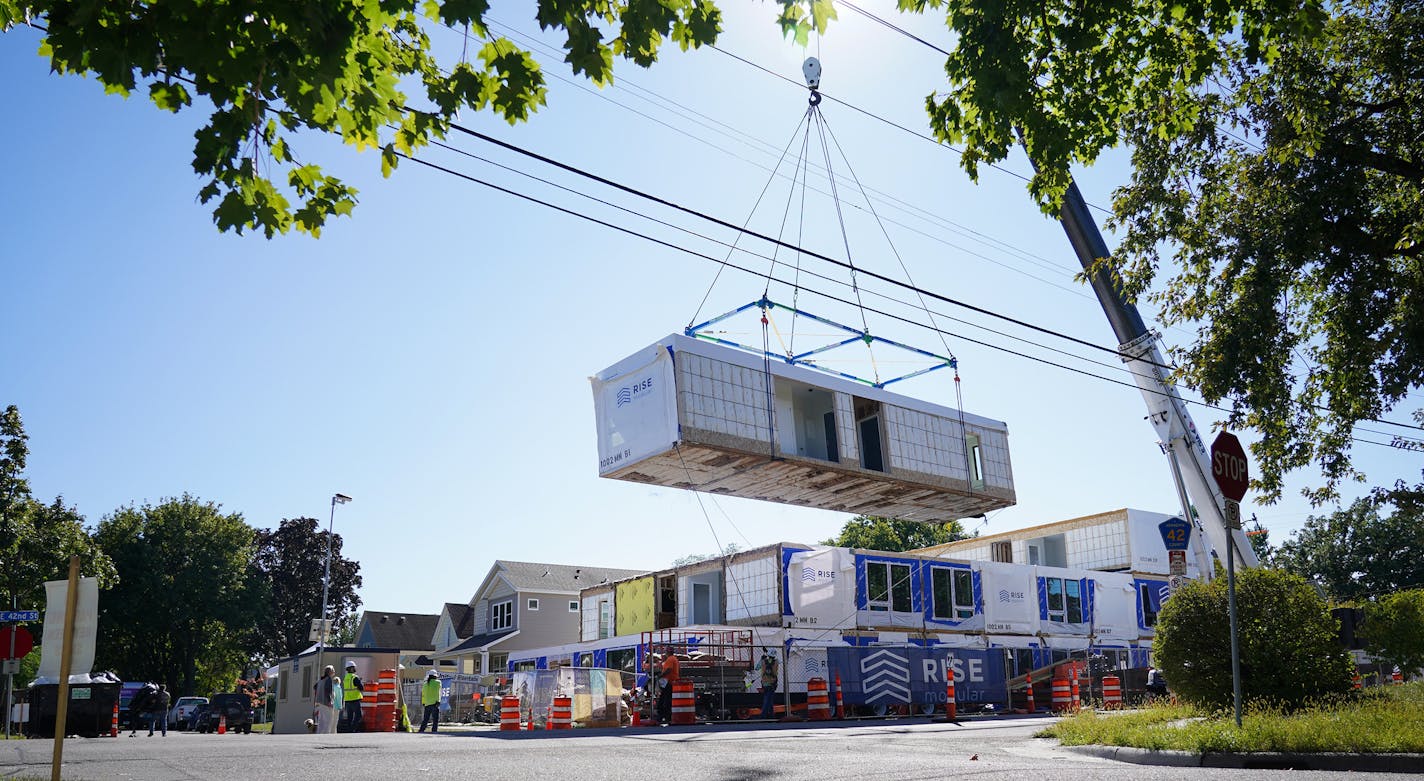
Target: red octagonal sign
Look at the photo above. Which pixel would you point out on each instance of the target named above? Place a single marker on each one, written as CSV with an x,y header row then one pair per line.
x,y
1228,466
20,636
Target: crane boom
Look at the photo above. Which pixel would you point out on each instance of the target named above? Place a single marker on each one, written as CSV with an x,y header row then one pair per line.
x,y
1139,348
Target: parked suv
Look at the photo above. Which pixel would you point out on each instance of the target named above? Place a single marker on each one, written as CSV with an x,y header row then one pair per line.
x,y
183,711
236,707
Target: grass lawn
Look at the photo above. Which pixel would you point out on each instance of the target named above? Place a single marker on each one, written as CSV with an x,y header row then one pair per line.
x,y
1389,719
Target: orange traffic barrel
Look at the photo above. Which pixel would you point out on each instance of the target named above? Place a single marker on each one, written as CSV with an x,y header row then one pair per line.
x,y
509,714
385,717
1358,683
386,686
1062,695
1112,691
561,713
818,700
684,703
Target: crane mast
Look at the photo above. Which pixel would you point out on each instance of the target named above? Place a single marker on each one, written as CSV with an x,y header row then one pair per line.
x,y
1177,434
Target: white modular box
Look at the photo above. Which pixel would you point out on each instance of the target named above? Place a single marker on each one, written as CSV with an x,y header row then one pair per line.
x,y
688,413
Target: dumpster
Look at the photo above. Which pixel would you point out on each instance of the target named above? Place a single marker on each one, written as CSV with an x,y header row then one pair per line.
x,y
91,709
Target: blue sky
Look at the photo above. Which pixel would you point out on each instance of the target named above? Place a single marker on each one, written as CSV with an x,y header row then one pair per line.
x,y
430,356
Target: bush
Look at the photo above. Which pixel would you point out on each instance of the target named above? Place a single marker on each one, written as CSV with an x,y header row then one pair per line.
x,y
1289,652
1394,629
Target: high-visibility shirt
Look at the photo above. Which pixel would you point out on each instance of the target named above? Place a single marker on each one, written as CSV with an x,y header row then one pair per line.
x,y
430,692
670,668
351,686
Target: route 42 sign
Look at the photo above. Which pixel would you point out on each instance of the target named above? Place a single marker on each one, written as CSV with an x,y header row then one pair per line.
x,y
1176,534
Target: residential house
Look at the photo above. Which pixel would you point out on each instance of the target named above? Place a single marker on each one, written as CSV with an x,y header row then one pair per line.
x,y
519,605
410,633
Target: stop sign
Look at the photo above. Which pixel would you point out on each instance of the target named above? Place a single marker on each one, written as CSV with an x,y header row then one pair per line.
x,y
24,643
1228,466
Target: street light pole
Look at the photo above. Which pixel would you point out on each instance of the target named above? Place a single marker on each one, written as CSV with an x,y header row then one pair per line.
x,y
326,583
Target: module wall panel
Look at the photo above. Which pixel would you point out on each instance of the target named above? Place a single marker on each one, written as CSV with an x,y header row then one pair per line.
x,y
729,438
753,586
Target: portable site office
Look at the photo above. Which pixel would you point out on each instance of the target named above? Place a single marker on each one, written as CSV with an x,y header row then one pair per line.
x,y
689,413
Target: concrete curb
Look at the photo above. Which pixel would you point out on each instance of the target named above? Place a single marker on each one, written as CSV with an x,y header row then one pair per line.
x,y
1261,760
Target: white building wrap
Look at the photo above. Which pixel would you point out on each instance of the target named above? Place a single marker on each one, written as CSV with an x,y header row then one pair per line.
x,y
822,588
635,403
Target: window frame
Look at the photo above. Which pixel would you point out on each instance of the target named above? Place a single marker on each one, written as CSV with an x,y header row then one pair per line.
x,y
961,588
1144,602
887,603
573,606
1070,600
504,609
531,603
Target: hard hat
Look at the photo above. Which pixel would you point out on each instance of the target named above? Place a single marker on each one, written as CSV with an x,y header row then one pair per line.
x,y
350,665
432,674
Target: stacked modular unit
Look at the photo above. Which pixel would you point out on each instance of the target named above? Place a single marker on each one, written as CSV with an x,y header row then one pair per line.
x,y
688,413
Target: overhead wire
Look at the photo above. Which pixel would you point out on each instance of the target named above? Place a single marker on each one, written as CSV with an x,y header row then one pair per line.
x,y
689,251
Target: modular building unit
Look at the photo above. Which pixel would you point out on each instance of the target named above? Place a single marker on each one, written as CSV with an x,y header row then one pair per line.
x,y
1123,540
688,413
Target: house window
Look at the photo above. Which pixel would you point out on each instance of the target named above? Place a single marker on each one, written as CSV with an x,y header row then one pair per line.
x,y
1149,616
975,450
1065,600
953,593
533,604
498,662
1002,551
282,678
306,692
605,619
887,587
501,615
573,605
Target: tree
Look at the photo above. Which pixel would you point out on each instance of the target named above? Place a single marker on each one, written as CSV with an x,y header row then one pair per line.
x,y
1358,554
36,540
1292,211
1275,204
183,604
1393,629
268,70
888,534
1289,654
288,565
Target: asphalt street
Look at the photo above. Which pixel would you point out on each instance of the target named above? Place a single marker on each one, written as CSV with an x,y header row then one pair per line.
x,y
906,749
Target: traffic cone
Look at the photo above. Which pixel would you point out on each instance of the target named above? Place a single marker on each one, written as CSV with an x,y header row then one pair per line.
x,y
222,724
637,717
1028,682
114,724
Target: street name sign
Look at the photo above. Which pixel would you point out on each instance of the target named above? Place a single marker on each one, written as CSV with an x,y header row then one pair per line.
x,y
19,615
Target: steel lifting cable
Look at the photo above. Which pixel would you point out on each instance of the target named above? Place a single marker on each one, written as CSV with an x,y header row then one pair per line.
x,y
924,305
743,230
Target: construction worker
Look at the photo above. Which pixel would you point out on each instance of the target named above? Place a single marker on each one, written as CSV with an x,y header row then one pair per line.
x,y
352,692
430,698
669,675
769,679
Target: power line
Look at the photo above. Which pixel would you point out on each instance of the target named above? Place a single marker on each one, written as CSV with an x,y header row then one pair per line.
x,y
688,251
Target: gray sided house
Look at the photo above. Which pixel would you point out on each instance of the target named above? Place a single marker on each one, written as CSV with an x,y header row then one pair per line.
x,y
520,605
410,633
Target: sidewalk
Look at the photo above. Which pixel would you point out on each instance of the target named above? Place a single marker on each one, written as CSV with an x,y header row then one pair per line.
x,y
1360,763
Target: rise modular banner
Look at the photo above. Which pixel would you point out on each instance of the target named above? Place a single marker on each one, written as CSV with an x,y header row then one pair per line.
x,y
635,405
821,588
874,675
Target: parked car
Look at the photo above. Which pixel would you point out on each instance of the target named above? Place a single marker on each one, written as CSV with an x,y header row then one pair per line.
x,y
236,707
182,711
